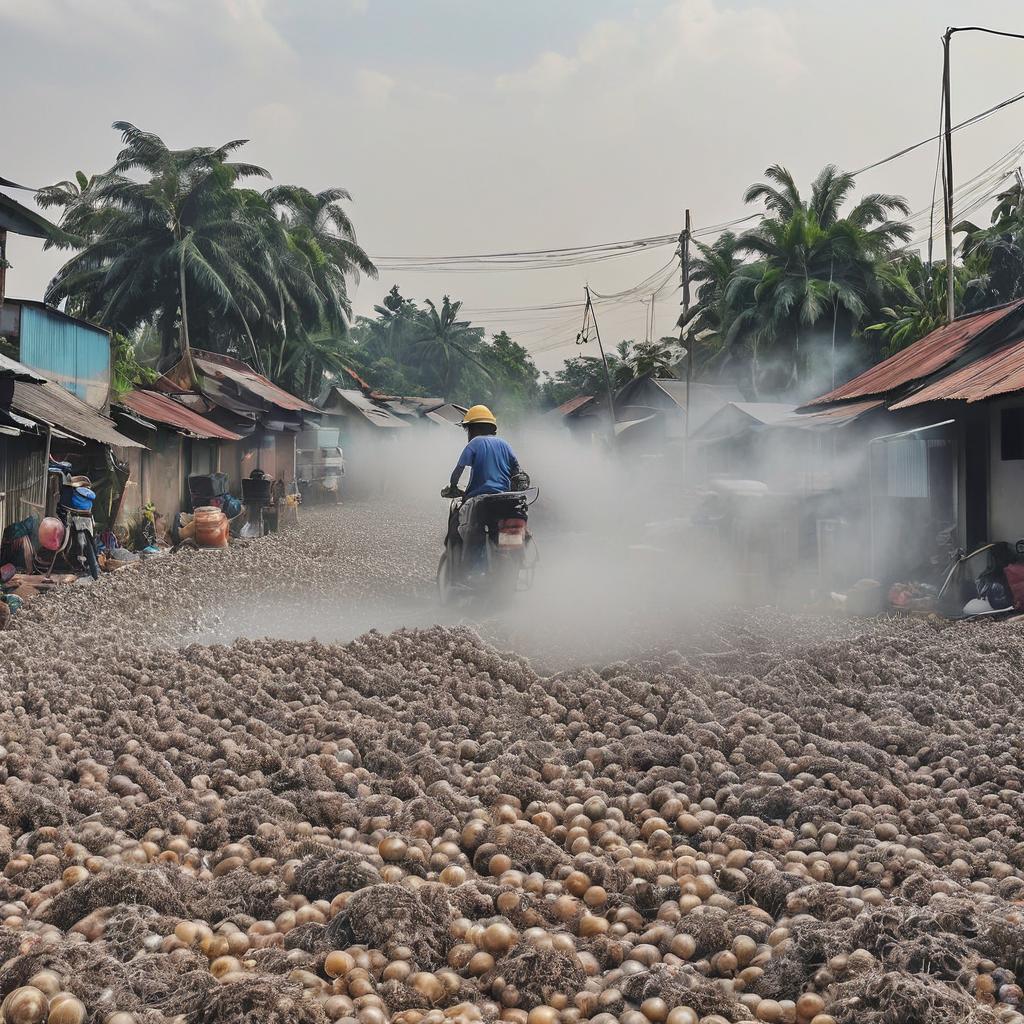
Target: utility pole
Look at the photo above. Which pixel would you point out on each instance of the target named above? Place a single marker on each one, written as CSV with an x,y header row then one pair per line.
x,y
684,270
947,180
947,175
589,308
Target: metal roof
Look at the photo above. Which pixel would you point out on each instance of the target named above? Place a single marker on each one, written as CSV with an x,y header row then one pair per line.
x,y
161,409
998,373
569,407
20,220
19,371
932,353
377,415
736,418
54,311
764,412
50,403
215,365
449,412
826,419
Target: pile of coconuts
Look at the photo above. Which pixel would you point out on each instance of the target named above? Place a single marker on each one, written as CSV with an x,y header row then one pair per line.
x,y
419,828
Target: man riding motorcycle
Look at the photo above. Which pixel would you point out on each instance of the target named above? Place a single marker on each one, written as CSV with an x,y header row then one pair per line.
x,y
492,465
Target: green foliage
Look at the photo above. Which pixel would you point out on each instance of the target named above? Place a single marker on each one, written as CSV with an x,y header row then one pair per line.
x,y
637,359
916,295
581,375
996,253
127,372
813,275
170,241
429,351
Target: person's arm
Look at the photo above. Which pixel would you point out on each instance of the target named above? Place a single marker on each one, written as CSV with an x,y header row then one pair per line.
x,y
465,460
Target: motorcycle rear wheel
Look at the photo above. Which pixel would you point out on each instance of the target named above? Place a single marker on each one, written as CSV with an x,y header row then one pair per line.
x,y
445,584
502,573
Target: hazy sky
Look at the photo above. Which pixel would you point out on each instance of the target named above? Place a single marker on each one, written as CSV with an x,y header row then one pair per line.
x,y
466,126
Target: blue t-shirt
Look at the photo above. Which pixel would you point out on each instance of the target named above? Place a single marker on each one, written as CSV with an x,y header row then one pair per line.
x,y
492,463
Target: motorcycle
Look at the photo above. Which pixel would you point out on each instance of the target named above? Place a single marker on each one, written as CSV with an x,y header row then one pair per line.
x,y
74,509
499,555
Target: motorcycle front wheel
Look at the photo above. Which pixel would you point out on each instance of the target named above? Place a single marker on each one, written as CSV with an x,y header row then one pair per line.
x,y
88,556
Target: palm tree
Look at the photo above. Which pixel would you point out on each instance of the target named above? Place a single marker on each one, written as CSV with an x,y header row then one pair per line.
x,y
446,345
813,266
996,253
82,214
313,251
645,359
157,242
707,326
916,299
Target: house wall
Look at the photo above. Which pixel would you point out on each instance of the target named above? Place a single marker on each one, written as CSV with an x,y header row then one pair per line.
x,y
22,478
134,496
1006,478
74,355
163,472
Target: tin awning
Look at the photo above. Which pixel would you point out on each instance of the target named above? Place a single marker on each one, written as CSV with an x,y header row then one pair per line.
x,y
49,403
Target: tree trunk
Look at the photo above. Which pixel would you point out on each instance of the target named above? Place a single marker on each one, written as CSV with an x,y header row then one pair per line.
x,y
284,333
186,348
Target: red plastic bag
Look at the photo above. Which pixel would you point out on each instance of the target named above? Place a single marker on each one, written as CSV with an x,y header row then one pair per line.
x,y
1015,580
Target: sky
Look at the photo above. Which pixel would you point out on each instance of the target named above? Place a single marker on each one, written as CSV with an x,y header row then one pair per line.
x,y
482,126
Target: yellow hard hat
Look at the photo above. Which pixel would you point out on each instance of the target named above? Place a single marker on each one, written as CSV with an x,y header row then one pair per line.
x,y
479,414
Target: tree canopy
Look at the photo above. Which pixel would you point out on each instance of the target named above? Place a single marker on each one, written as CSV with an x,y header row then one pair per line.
x,y
174,241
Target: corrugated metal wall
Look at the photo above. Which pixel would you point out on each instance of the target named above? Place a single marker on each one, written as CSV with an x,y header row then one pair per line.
x,y
73,355
22,478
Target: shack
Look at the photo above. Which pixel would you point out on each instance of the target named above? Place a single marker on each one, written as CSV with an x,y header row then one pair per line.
x,y
42,419
951,458
179,443
67,350
264,416
650,414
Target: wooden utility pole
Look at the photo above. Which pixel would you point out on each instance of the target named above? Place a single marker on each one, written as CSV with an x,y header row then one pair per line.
x,y
589,308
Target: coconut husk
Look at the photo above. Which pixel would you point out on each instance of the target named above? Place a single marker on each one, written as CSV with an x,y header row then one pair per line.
x,y
538,974
683,986
874,997
260,999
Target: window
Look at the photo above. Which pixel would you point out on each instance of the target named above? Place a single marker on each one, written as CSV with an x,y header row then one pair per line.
x,y
1011,425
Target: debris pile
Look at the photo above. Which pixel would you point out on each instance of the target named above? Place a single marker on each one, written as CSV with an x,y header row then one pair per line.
x,y
419,828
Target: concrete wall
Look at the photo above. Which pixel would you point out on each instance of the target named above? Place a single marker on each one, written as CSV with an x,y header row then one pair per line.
x,y
163,472
1006,479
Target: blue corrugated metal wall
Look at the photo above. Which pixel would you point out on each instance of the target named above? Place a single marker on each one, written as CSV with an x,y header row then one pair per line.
x,y
73,355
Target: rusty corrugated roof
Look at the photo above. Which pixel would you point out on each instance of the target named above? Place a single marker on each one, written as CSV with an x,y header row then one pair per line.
x,y
215,365
836,416
569,407
50,403
925,357
998,373
153,406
